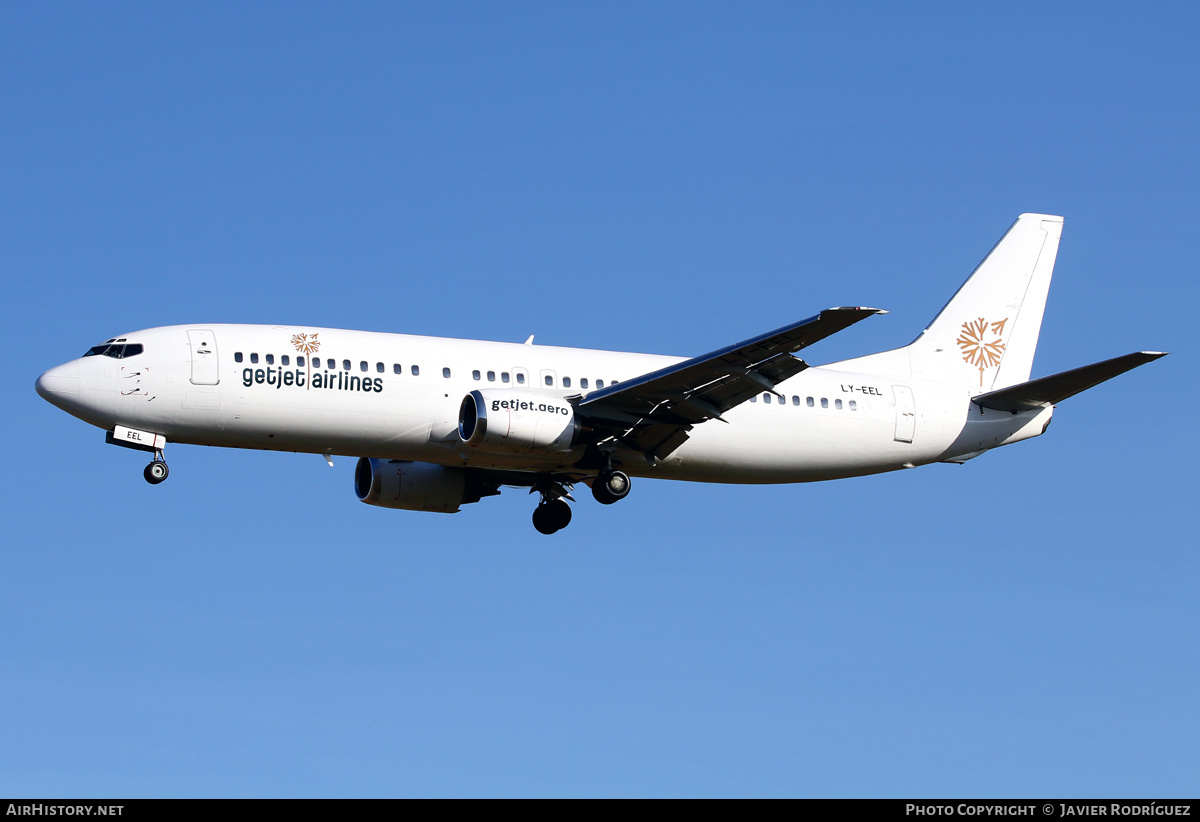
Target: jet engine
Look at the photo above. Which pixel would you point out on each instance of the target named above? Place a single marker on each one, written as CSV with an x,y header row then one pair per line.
x,y
510,421
416,486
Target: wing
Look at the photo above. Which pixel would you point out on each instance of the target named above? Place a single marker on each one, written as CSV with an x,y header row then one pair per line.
x,y
653,413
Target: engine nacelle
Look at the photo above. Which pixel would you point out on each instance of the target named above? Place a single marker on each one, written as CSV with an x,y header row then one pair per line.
x,y
508,421
413,486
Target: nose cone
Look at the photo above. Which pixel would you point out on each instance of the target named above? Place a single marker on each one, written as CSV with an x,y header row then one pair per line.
x,y
60,386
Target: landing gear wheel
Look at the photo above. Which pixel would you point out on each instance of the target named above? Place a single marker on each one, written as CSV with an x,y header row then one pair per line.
x,y
155,472
551,516
611,487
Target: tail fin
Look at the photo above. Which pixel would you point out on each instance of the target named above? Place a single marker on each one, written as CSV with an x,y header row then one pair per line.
x,y
986,335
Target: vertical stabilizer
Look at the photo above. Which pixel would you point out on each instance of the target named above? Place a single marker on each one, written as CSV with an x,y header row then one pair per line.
x,y
986,335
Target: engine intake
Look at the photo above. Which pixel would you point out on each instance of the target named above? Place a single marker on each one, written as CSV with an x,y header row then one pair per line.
x,y
416,486
517,422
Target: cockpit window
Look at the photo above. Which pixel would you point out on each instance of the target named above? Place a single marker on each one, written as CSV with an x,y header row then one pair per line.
x,y
118,351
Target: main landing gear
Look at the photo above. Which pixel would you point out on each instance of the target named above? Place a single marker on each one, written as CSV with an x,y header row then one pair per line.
x,y
610,487
553,514
156,471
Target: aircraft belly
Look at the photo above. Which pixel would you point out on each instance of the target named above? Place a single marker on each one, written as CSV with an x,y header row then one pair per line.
x,y
779,448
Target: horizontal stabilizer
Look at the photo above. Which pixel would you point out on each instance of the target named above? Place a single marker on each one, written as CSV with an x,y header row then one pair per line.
x,y
1058,387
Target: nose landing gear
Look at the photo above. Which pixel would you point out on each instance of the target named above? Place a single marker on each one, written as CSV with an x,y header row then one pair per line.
x,y
156,471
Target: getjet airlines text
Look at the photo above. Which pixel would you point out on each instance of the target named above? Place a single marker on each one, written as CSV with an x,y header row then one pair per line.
x,y
338,381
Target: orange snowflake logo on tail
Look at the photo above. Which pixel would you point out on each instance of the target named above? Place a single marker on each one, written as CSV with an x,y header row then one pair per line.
x,y
977,346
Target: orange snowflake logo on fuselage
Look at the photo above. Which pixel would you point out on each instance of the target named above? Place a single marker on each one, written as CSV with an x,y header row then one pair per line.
x,y
306,344
977,347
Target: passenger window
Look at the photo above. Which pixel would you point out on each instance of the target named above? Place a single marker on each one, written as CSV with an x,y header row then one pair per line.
x,y
492,376
837,404
254,358
520,378
599,383
396,369
475,375
613,382
416,370
503,376
237,356
362,366
754,398
809,402
300,361
446,373
549,380
566,382
285,360
824,402
767,398
795,400
583,383
346,365
853,405
378,368
270,359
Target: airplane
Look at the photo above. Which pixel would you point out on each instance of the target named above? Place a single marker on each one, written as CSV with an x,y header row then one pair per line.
x,y
439,423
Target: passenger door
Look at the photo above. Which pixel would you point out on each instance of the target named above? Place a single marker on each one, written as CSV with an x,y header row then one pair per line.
x,y
204,356
906,413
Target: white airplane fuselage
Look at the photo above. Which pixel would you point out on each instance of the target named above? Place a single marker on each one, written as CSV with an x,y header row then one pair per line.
x,y
856,424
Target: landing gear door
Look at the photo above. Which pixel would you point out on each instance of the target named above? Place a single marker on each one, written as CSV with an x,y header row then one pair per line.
x,y
203,344
906,413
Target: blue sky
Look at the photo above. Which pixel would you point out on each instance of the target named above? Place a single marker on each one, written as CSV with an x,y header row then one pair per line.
x,y
666,178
